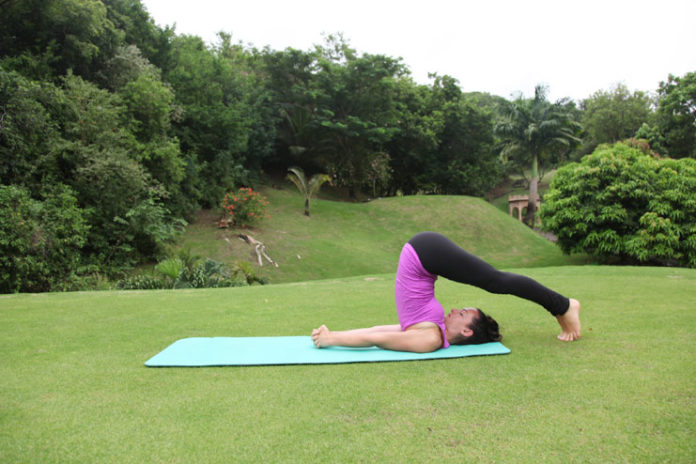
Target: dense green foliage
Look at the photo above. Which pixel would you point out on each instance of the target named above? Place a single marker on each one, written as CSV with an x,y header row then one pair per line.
x,y
40,241
614,115
362,120
184,272
676,114
621,203
143,127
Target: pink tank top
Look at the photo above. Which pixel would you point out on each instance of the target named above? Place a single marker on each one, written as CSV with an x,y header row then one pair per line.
x,y
415,293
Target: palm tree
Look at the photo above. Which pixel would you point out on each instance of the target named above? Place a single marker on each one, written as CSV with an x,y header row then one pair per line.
x,y
532,132
299,122
308,189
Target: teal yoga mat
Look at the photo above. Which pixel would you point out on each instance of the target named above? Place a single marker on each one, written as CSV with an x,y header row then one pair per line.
x,y
260,351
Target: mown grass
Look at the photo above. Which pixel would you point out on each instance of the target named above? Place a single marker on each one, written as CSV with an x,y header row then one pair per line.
x,y
75,389
344,239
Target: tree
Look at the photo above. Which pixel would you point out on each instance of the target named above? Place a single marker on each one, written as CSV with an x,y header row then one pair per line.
x,y
149,110
307,188
653,136
621,203
212,130
535,132
355,108
99,157
29,133
227,127
65,35
78,136
379,172
445,140
465,161
135,124
289,76
676,114
139,29
614,115
411,148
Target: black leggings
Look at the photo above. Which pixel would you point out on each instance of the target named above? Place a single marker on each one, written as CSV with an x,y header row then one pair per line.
x,y
440,256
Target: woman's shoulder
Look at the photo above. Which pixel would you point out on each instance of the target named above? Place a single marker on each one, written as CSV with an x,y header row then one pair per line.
x,y
432,331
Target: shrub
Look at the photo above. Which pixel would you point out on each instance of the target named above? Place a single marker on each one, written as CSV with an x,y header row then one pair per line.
x,y
175,273
622,204
250,276
85,281
245,207
128,219
40,241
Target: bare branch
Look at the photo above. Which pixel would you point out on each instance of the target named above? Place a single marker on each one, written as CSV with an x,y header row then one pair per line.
x,y
259,248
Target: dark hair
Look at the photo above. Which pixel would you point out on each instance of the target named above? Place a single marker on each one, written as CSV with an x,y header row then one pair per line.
x,y
485,330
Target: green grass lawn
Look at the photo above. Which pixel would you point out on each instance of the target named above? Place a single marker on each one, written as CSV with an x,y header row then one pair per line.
x,y
344,239
74,387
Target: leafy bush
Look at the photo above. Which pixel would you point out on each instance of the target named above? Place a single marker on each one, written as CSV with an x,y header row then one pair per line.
x,y
87,280
141,282
245,207
209,274
185,271
129,221
620,203
40,241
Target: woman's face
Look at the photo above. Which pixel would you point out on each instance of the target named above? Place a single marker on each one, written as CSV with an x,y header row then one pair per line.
x,y
460,320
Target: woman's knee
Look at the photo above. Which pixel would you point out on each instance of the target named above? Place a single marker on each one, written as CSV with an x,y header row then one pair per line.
x,y
499,282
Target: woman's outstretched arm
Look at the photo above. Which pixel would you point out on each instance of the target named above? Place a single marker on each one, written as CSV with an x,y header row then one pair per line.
x,y
418,341
377,328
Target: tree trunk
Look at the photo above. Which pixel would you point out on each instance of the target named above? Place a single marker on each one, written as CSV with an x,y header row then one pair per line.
x,y
530,217
306,206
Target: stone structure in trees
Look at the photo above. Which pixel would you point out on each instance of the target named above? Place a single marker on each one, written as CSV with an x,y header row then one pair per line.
x,y
519,202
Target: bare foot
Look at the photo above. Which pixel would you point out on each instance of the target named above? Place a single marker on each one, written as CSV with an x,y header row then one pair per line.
x,y
570,322
320,336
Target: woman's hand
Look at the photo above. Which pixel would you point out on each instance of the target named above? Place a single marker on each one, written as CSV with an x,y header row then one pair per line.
x,y
320,336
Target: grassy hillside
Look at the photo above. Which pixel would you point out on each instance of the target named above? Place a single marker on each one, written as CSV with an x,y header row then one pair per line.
x,y
347,239
75,389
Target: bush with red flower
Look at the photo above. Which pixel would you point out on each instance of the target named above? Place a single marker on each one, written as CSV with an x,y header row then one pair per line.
x,y
245,207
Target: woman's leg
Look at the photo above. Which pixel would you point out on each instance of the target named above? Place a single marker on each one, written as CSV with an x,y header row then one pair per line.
x,y
440,256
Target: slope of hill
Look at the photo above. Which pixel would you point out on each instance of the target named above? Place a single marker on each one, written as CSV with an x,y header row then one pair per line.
x,y
343,239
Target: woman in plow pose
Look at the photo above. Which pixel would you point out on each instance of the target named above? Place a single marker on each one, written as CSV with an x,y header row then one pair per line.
x,y
423,325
